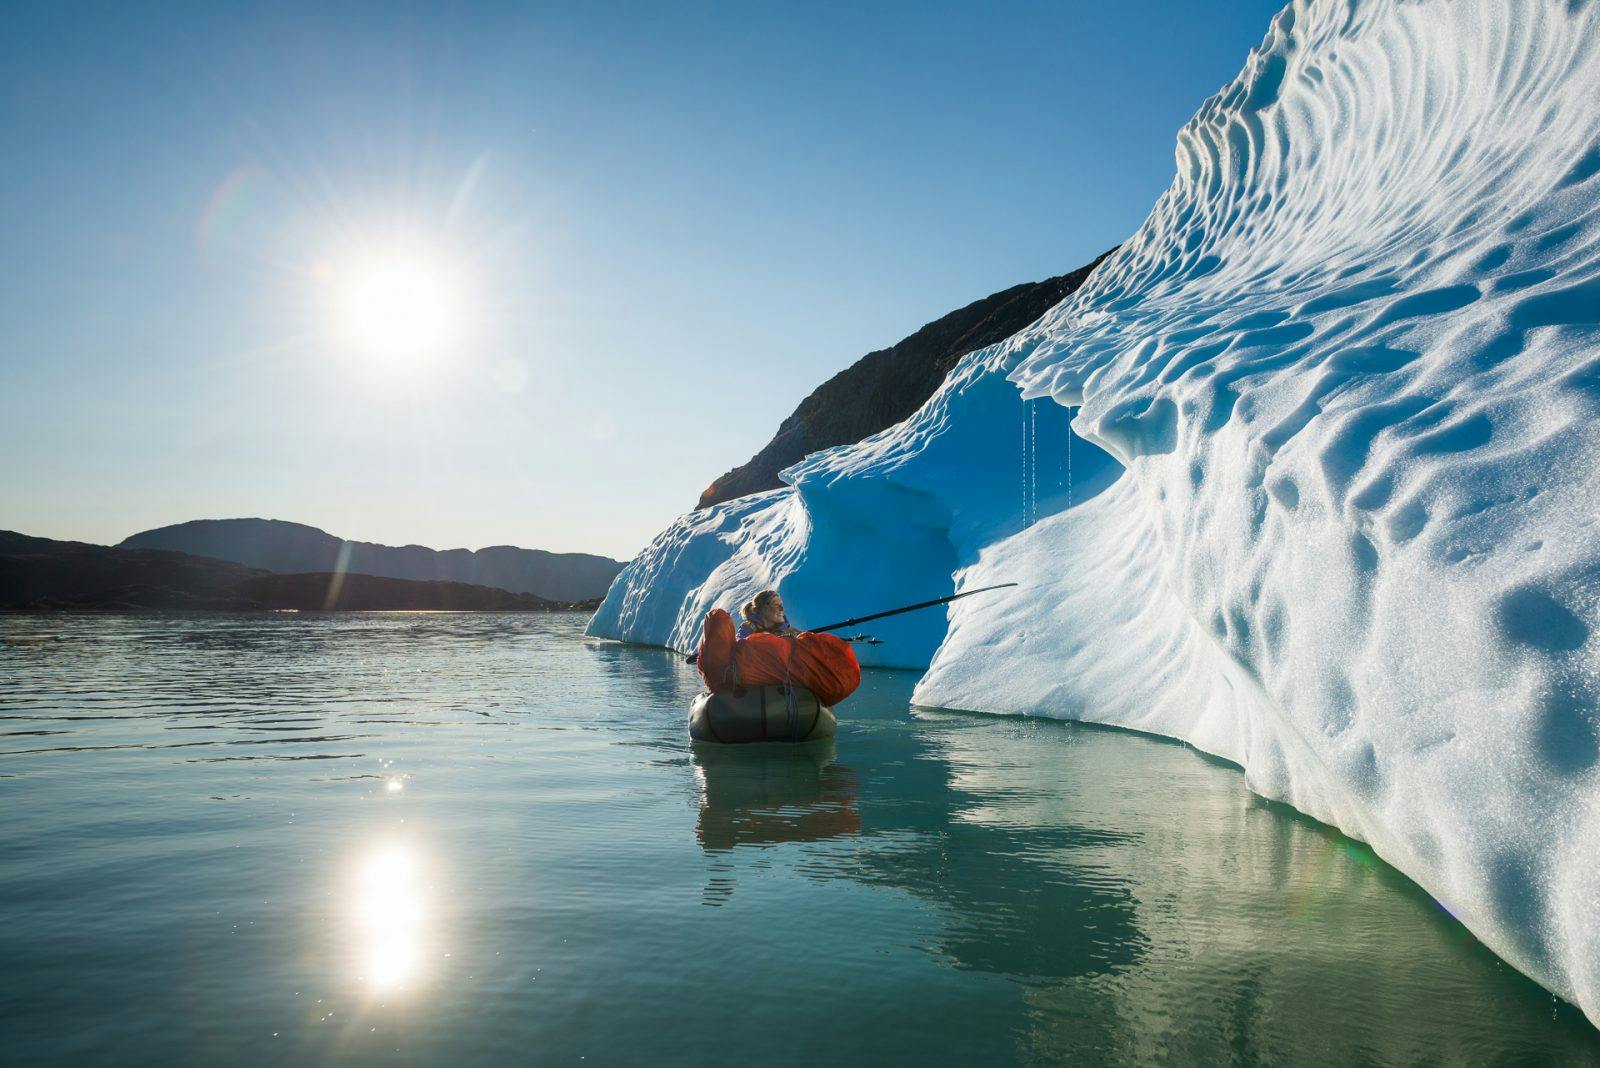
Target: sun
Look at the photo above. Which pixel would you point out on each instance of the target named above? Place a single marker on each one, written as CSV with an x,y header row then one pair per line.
x,y
403,306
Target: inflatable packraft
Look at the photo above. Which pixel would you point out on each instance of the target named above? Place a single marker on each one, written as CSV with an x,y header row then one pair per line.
x,y
760,714
821,663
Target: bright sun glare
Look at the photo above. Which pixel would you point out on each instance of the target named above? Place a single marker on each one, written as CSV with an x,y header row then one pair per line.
x,y
400,306
391,909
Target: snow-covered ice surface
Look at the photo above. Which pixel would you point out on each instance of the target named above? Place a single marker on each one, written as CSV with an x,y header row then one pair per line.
x,y
1330,502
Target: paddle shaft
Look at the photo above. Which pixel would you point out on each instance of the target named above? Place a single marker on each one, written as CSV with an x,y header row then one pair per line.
x,y
908,608
691,657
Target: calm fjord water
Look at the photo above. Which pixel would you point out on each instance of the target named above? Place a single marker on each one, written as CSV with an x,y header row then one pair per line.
x,y
464,838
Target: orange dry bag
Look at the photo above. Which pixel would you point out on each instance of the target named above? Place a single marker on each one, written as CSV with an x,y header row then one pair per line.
x,y
822,663
715,659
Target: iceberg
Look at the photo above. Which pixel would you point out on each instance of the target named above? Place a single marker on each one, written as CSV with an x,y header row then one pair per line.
x,y
1305,475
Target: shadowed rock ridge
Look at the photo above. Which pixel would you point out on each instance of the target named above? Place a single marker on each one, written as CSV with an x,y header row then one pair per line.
x,y
884,387
283,547
40,574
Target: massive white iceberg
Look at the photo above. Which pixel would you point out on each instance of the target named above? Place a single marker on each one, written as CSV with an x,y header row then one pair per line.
x,y
1307,474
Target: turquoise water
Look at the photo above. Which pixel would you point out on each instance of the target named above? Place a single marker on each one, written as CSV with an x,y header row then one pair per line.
x,y
471,838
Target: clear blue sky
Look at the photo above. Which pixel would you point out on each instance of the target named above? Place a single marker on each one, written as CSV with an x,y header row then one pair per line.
x,y
673,222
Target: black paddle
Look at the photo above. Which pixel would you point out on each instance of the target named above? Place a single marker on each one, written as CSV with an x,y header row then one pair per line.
x,y
908,608
891,612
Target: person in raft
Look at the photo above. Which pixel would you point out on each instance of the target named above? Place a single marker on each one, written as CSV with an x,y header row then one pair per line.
x,y
763,614
768,651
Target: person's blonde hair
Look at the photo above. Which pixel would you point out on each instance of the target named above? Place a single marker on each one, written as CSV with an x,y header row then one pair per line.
x,y
755,608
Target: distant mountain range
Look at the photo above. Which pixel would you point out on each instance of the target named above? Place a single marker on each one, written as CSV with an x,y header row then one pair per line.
x,y
39,573
885,387
295,548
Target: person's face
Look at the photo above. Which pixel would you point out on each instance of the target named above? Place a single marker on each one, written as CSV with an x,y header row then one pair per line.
x,y
774,610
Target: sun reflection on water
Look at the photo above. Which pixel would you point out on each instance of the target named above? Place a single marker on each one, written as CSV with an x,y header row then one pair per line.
x,y
391,909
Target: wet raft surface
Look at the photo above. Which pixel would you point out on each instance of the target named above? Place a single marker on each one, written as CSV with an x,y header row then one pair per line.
x,y
449,839
760,714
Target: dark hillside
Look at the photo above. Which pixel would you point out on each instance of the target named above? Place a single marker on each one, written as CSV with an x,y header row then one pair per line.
x,y
295,548
42,573
39,574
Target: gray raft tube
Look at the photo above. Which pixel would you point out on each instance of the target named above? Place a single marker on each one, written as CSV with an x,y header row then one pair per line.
x,y
761,714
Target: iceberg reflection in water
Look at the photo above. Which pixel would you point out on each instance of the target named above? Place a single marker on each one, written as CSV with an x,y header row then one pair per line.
x,y
201,859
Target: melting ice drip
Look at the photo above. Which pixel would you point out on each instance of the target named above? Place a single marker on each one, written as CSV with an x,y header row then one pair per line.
x,y
1030,464
1068,464
1345,387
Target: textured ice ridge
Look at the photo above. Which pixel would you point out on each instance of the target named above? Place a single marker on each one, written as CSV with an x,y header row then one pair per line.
x,y
1329,505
